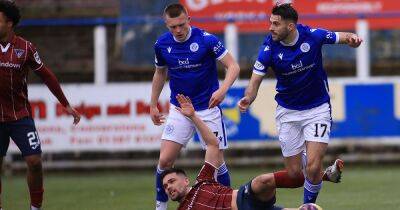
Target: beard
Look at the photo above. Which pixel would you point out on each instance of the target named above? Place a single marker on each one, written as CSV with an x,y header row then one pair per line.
x,y
178,198
282,36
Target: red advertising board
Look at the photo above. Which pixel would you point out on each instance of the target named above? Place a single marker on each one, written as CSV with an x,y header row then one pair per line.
x,y
253,15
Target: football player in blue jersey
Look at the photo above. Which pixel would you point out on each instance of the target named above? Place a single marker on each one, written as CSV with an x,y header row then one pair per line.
x,y
303,115
188,55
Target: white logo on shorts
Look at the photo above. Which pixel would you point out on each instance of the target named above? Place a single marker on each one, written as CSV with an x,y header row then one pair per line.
x,y
305,47
33,139
169,129
246,189
194,47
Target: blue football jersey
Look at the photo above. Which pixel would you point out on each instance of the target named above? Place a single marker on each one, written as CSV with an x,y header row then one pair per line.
x,y
301,80
191,64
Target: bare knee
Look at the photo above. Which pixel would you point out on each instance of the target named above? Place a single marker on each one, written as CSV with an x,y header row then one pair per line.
x,y
165,162
34,164
265,181
314,171
263,186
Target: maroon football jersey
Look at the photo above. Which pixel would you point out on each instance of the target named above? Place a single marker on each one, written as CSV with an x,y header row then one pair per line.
x,y
17,57
207,193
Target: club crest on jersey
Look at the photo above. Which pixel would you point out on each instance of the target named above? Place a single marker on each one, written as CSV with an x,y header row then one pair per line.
x,y
19,52
305,47
37,58
194,47
169,49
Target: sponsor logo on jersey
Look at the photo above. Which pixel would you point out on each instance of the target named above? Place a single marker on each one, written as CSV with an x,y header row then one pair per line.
x,y
184,62
19,52
10,65
259,66
297,65
37,58
280,55
194,47
169,49
305,47
266,48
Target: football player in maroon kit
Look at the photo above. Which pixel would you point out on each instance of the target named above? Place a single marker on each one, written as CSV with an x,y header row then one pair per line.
x,y
17,57
208,194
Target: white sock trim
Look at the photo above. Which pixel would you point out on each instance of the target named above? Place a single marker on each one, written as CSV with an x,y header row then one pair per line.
x,y
33,208
314,188
161,205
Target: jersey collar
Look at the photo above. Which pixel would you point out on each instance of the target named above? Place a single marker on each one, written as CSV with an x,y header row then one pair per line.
x,y
6,46
294,41
187,37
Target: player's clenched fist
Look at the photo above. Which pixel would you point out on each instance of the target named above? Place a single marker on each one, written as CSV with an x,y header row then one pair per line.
x,y
353,40
156,117
244,104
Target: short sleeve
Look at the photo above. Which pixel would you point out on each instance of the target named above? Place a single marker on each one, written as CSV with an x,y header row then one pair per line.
x,y
215,45
207,173
158,59
263,61
325,36
33,59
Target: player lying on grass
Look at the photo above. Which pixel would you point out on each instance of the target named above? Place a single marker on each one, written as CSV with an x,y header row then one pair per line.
x,y
207,193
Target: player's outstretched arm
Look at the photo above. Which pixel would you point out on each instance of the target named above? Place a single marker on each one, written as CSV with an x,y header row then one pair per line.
x,y
351,39
186,108
232,73
52,83
160,75
250,93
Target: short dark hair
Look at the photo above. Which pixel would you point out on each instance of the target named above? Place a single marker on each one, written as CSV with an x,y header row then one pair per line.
x,y
10,10
172,170
174,10
286,11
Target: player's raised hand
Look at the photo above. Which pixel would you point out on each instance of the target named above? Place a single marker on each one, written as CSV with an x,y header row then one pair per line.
x,y
244,104
74,113
155,115
354,41
186,106
216,98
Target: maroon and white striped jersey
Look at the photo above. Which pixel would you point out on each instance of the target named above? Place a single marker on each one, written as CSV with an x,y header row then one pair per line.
x,y
17,57
207,193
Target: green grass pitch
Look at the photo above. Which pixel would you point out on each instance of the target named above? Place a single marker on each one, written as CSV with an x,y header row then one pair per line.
x,y
362,188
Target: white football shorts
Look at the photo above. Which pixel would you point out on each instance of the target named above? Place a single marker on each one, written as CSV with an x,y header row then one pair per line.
x,y
180,129
296,127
